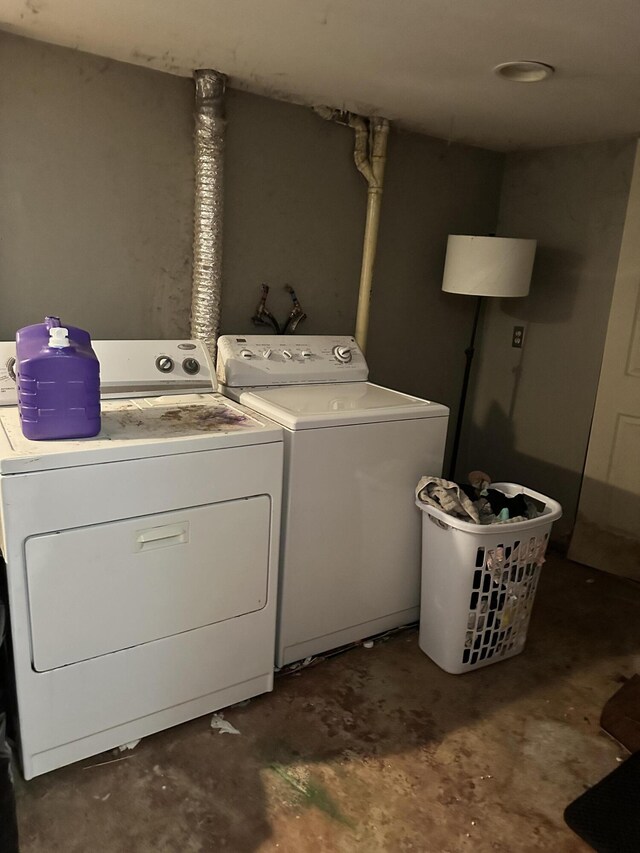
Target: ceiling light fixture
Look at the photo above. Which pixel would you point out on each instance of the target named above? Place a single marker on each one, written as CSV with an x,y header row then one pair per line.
x,y
524,71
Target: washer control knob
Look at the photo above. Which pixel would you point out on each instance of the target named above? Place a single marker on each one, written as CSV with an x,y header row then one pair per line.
x,y
306,353
164,363
191,366
342,354
267,353
11,368
246,353
286,354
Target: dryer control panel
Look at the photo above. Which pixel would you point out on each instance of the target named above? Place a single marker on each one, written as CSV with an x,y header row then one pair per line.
x,y
133,369
261,360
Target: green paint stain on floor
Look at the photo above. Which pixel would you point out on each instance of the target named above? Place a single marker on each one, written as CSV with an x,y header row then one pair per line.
x,y
312,794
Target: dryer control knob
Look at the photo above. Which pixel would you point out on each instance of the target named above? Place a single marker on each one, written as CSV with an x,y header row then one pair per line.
x,y
306,353
191,366
342,354
11,368
267,353
286,354
246,353
164,364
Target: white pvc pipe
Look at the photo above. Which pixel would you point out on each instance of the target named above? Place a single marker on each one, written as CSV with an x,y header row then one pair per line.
x,y
370,156
372,168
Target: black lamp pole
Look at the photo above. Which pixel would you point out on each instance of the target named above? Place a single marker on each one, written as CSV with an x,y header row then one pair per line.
x,y
465,387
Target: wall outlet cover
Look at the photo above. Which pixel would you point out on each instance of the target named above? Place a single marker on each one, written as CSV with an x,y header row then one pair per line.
x,y
517,339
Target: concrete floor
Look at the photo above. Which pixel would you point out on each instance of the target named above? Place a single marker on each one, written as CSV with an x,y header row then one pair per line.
x,y
374,750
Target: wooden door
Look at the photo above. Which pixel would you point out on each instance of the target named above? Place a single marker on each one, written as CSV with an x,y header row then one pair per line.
x,y
607,532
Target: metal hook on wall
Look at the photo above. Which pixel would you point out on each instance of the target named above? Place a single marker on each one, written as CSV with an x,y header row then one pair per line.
x,y
297,314
264,317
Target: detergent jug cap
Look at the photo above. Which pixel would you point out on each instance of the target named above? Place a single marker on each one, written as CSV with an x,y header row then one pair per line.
x,y
59,337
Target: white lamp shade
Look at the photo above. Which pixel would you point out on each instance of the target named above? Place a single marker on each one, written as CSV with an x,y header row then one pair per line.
x,y
488,266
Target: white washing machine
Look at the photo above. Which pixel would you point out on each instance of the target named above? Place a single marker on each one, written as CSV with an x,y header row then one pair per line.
x,y
354,452
141,564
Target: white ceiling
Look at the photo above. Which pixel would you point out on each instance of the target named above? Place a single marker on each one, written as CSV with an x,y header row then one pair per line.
x,y
426,64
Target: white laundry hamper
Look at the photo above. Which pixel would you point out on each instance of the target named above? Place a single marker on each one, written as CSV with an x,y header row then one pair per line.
x,y
479,583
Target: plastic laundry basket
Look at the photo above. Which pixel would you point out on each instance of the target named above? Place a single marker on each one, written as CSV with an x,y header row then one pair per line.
x,y
479,583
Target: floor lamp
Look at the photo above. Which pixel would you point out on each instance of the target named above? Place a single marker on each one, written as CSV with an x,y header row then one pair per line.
x,y
484,266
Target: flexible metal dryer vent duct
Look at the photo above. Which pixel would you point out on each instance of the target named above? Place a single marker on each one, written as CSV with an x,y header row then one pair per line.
x,y
209,137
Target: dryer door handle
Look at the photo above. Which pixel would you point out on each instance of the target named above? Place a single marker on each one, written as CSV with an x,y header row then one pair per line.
x,y
161,537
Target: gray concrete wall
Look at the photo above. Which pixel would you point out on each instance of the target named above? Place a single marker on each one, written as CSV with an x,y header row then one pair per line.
x,y
418,333
531,410
294,214
95,193
96,182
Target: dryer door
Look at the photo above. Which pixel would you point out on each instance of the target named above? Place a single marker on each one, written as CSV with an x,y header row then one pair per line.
x,y
95,590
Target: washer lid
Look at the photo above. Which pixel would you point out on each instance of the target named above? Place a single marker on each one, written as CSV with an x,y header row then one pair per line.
x,y
338,404
138,429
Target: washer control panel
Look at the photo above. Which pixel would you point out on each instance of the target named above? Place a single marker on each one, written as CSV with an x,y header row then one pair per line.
x,y
261,360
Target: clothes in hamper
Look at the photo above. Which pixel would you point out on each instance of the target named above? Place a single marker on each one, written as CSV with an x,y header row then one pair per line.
x,y
474,502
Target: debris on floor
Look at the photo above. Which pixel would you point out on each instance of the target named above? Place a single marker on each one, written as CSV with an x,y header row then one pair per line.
x,y
125,746
105,763
310,793
224,726
314,660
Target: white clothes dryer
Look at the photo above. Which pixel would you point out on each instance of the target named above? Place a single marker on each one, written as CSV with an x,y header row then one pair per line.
x,y
354,452
142,563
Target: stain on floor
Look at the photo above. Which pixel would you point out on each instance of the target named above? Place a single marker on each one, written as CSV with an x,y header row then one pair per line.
x,y
374,750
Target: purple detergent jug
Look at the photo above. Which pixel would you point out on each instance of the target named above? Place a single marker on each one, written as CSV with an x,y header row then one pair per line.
x,y
58,378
